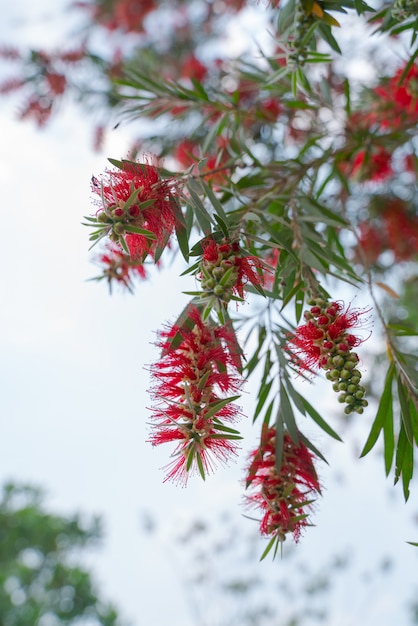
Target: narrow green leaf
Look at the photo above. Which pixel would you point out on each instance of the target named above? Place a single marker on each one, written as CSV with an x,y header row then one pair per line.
x,y
388,439
405,411
288,415
319,420
269,547
385,405
215,407
262,397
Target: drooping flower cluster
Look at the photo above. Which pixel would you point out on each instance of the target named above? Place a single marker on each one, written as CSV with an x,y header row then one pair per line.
x,y
325,342
138,209
195,377
283,489
118,267
224,270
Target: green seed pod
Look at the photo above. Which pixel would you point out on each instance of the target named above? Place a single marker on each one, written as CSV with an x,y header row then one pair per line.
x,y
351,388
118,228
364,403
359,394
359,409
335,374
349,365
218,272
336,387
342,386
345,374
342,398
350,399
355,380
218,290
102,217
338,361
348,410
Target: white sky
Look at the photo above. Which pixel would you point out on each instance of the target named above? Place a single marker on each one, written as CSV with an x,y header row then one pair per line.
x,y
74,397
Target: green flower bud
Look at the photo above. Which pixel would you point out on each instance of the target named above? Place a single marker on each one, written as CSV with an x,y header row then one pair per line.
x,y
102,217
218,272
118,228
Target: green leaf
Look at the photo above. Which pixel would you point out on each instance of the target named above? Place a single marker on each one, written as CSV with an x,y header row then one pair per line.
x,y
405,410
215,407
384,410
140,231
288,415
263,394
404,465
270,544
319,420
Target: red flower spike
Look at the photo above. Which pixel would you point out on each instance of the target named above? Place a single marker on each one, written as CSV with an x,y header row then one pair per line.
x,y
194,380
225,270
325,343
118,267
284,495
137,197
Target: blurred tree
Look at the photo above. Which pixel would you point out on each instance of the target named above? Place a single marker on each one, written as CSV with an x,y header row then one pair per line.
x,y
42,581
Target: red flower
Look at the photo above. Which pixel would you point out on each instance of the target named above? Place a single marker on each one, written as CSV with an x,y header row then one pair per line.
x,y
225,270
118,267
395,229
326,342
136,197
193,68
401,96
196,374
283,493
375,166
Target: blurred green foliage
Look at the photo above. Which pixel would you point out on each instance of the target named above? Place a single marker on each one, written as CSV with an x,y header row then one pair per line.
x,y
42,582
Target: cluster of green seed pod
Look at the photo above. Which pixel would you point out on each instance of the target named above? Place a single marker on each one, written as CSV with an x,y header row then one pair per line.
x,y
403,9
303,22
336,354
118,219
219,272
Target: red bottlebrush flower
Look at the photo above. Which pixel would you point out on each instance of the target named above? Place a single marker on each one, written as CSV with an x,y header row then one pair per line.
x,y
39,109
394,229
270,109
326,342
197,371
284,493
56,83
193,68
401,230
225,270
137,198
272,261
118,267
397,99
372,241
376,166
